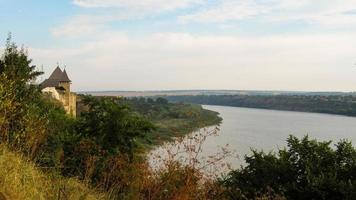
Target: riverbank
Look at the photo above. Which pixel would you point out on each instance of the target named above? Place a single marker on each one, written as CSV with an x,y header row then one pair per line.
x,y
330,104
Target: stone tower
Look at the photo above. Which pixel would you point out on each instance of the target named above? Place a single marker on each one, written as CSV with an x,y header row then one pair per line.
x,y
58,86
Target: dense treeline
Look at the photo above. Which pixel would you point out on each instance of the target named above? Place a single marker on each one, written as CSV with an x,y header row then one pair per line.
x,y
333,104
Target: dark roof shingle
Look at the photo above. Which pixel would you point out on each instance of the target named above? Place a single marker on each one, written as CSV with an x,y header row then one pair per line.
x,y
65,77
56,74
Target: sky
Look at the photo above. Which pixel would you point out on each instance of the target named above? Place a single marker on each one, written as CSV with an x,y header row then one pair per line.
x,y
294,45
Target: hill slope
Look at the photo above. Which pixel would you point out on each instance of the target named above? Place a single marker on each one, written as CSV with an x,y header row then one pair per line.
x,y
20,179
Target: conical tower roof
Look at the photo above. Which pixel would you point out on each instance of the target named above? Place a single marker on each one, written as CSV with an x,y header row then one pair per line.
x,y
56,77
64,77
56,74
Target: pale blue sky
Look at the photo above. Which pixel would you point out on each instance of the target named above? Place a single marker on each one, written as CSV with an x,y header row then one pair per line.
x,y
190,44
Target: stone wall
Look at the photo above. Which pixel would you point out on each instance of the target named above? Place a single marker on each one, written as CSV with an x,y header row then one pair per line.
x,y
68,99
72,104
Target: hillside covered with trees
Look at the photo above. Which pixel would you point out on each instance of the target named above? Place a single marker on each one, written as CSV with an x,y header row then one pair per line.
x,y
172,119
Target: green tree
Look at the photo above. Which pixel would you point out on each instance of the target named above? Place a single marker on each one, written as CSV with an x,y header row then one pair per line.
x,y
17,95
29,121
112,125
161,100
107,134
16,65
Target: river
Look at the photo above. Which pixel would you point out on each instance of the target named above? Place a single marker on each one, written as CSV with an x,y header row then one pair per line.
x,y
246,128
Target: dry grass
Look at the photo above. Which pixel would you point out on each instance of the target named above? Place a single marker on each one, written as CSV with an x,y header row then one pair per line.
x,y
19,179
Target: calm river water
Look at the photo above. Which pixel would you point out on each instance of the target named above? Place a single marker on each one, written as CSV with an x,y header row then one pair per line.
x,y
246,128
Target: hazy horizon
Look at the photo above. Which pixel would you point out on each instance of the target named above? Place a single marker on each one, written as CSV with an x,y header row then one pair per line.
x,y
151,45
210,90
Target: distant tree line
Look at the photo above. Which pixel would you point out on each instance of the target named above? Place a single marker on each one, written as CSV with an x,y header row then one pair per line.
x,y
332,104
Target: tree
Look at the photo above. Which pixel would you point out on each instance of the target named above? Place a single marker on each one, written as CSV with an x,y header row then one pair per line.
x,y
111,125
18,107
107,134
161,100
16,64
29,122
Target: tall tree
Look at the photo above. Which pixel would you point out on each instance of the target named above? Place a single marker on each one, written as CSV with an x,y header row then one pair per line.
x,y
17,96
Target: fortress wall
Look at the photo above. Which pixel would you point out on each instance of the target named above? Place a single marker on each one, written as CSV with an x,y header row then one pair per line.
x,y
73,104
53,92
68,100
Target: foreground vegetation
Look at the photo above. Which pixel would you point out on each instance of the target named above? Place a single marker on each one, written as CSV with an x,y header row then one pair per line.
x,y
21,179
45,154
307,169
99,148
331,104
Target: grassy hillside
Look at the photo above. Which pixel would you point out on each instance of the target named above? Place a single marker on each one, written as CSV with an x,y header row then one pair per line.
x,y
193,117
20,179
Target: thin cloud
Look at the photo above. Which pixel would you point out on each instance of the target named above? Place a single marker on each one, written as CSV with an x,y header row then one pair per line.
x,y
77,25
106,11
290,62
320,12
142,5
227,11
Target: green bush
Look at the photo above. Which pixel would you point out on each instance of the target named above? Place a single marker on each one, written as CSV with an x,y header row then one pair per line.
x,y
307,169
